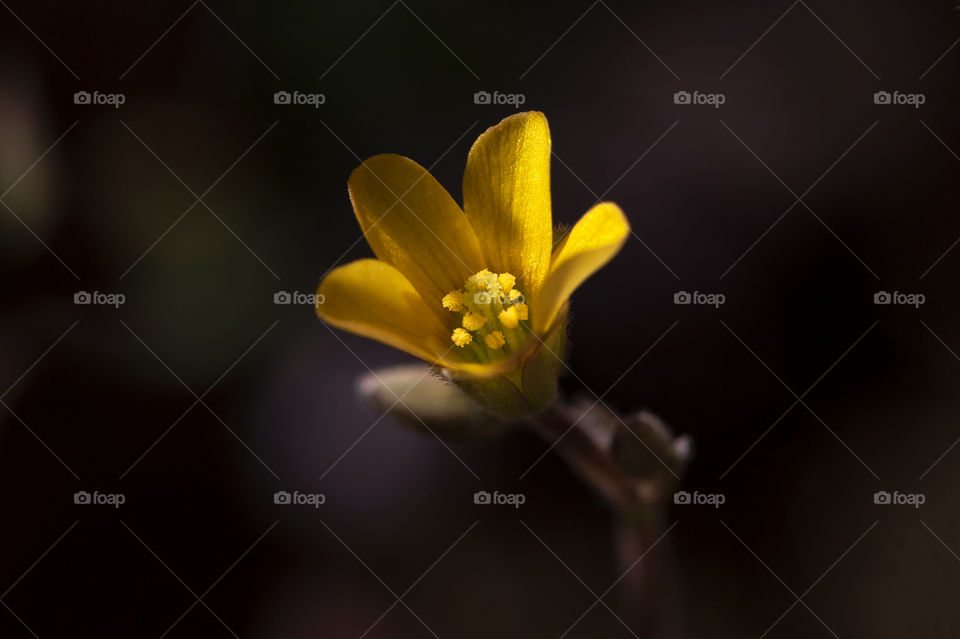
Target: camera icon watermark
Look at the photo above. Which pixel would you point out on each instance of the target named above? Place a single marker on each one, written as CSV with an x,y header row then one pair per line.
x,y
486,498
97,298
297,98
884,298
96,498
900,99
697,98
296,297
896,498
296,498
696,498
100,99
696,298
512,99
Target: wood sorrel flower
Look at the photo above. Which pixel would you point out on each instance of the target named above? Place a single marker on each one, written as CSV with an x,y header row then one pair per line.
x,y
479,292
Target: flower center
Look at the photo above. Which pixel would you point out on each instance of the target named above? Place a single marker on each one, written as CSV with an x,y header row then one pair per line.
x,y
491,310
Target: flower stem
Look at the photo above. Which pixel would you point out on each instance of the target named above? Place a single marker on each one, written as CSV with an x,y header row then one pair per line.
x,y
646,588
645,583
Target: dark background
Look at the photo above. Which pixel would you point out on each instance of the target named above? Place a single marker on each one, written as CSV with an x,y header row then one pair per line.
x,y
94,390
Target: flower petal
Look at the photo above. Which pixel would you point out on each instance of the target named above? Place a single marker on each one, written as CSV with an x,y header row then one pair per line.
x,y
506,196
590,244
373,299
412,223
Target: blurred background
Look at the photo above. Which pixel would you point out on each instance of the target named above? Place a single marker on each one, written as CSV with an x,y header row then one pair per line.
x,y
177,182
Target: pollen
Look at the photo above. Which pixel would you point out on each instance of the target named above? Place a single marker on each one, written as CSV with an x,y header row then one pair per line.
x,y
461,337
473,321
453,301
490,310
495,340
484,279
523,312
509,317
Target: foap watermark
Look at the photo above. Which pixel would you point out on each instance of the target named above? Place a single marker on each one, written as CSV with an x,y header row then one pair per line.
x,y
897,298
483,298
900,99
485,97
896,498
96,498
296,498
698,98
696,498
97,298
484,497
299,99
296,297
99,99
697,298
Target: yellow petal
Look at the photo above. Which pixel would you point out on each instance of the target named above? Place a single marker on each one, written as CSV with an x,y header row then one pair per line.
x,y
595,239
506,196
373,299
412,223
503,366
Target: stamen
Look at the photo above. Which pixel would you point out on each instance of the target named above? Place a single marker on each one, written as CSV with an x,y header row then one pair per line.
x,y
495,340
483,279
491,310
509,317
461,337
453,301
473,321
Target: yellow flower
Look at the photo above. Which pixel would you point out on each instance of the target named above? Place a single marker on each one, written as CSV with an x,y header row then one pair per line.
x,y
476,290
